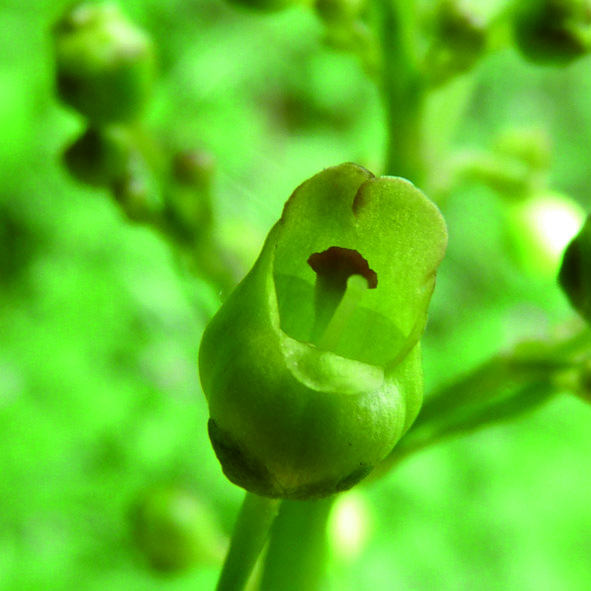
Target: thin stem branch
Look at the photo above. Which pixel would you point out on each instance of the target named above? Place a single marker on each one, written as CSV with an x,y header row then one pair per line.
x,y
250,534
403,90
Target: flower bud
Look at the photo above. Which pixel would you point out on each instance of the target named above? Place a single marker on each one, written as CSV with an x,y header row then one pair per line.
x,y
99,156
575,272
104,64
312,367
173,530
458,40
553,31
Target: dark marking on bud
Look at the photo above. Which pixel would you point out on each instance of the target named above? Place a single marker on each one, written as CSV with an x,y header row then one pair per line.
x,y
337,264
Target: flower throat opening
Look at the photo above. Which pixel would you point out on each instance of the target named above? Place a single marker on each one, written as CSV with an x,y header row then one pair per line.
x,y
342,278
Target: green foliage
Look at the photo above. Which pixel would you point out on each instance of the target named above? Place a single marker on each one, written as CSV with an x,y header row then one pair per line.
x,y
101,319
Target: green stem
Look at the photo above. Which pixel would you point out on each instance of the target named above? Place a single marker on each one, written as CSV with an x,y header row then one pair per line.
x,y
250,534
297,552
403,90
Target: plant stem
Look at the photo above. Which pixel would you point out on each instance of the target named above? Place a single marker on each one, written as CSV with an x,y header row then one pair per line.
x,y
298,547
403,90
250,534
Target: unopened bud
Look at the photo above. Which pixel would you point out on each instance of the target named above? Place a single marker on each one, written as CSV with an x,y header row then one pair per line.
x,y
104,64
553,32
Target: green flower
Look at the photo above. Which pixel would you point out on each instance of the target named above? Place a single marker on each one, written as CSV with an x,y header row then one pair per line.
x,y
312,367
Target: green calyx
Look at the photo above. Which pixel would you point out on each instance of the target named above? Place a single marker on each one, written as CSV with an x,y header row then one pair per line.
x,y
312,366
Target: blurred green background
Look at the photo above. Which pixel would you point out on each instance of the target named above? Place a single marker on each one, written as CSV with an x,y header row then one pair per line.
x,y
100,322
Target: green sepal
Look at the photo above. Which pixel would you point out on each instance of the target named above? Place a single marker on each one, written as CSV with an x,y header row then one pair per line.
x,y
293,420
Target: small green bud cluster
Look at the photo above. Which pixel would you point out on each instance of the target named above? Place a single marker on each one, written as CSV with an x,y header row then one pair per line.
x,y
458,40
105,70
553,32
